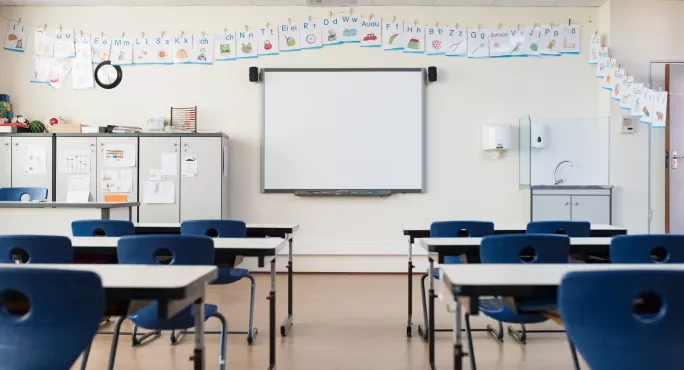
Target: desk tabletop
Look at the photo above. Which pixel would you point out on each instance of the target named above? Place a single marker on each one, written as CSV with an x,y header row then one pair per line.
x,y
509,227
162,225
266,244
68,204
429,243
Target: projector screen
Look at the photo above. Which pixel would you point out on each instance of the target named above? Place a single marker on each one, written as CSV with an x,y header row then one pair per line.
x,y
343,129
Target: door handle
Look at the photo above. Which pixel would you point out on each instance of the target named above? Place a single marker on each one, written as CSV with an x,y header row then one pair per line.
x,y
675,159
567,204
576,204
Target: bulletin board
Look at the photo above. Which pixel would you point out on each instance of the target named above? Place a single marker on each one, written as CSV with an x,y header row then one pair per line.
x,y
343,129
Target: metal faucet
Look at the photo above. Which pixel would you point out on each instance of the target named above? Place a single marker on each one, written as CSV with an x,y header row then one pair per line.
x,y
560,181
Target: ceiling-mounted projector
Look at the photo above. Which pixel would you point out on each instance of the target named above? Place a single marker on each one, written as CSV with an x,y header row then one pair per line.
x,y
329,3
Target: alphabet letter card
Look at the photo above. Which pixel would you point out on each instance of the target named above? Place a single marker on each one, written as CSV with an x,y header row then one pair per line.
x,y
122,51
435,40
225,48
456,42
203,50
311,34
101,46
267,40
247,45
331,31
392,35
17,35
182,48
478,43
290,37
414,37
371,32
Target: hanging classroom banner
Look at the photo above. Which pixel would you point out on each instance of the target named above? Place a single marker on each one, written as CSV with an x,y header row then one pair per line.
x,y
550,41
182,47
246,45
532,46
414,38
122,51
456,41
101,46
478,43
17,36
267,41
349,24
203,50
224,47
370,30
311,34
500,45
290,37
571,40
392,35
331,31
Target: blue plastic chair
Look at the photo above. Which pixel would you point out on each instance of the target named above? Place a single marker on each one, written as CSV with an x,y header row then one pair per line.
x,y
15,194
515,249
647,249
573,229
627,320
35,249
453,229
64,311
183,250
111,228
227,275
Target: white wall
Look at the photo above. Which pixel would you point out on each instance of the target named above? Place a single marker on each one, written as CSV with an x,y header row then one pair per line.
x,y
462,181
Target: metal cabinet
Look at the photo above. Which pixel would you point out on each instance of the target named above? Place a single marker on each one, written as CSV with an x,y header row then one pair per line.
x,y
75,144
117,140
592,208
153,150
5,161
32,161
551,208
204,196
591,204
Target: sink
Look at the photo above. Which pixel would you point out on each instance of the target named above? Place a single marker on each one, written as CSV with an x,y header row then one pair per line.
x,y
567,187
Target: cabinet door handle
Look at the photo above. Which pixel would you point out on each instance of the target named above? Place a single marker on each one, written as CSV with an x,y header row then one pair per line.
x,y
576,204
567,203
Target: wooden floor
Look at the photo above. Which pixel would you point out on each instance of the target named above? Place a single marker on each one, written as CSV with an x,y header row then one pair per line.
x,y
341,322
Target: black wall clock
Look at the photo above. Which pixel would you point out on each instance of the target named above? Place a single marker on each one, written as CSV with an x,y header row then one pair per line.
x,y
108,76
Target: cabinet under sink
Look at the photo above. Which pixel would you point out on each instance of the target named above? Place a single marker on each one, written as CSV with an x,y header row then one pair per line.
x,y
591,203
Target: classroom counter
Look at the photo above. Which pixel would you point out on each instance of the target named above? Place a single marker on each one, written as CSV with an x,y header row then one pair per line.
x,y
54,218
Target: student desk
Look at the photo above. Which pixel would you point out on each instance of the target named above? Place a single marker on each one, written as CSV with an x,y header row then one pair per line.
x,y
285,231
518,281
54,218
225,249
442,247
129,288
423,231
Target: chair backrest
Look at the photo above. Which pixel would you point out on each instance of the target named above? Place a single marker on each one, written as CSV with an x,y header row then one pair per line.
x,y
35,249
215,228
183,250
647,249
573,229
15,194
64,311
110,228
627,320
522,248
460,229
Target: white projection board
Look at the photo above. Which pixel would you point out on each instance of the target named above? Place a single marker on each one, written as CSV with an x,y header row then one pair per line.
x,y
343,129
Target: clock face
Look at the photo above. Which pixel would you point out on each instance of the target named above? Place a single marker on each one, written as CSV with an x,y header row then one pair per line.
x,y
108,76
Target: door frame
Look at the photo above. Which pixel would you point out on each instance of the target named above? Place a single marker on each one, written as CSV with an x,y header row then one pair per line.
x,y
667,153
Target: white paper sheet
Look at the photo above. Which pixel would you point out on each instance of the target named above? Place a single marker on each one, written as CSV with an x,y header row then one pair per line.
x,y
119,156
116,181
79,189
80,196
74,162
156,175
159,192
169,164
35,160
189,168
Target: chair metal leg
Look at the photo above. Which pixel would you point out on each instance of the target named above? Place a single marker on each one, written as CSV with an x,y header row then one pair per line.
x,y
86,353
115,342
497,334
175,339
573,351
252,331
422,330
137,341
224,336
471,350
520,336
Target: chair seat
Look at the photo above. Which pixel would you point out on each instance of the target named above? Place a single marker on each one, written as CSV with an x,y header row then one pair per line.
x,y
147,318
497,310
230,275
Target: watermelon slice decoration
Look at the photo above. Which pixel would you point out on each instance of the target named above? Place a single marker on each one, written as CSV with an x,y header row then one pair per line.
x,y
391,39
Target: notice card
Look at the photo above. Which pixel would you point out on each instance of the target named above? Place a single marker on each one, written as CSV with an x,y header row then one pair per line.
x,y
119,156
78,189
35,160
116,181
74,162
189,166
159,192
169,164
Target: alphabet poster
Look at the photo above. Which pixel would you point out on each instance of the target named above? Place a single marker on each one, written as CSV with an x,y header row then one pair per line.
x,y
616,83
550,38
101,46
42,65
349,24
500,45
331,31
660,109
435,40
268,43
44,41
646,107
571,39
312,38
601,62
162,51
414,38
371,32
594,48
532,46
64,43
290,37
626,92
203,50
611,65
122,51
638,95
144,50
247,45
392,35
478,43
17,35
224,47
517,37
456,41
182,47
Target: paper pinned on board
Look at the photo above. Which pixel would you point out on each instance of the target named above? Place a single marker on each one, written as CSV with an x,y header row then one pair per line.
x,y
169,164
156,175
119,156
74,162
35,160
116,181
189,168
78,189
159,192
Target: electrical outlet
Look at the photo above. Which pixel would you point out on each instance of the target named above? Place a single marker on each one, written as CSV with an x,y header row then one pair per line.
x,y
627,125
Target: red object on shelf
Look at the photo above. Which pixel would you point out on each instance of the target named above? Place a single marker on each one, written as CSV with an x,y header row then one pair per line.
x,y
22,125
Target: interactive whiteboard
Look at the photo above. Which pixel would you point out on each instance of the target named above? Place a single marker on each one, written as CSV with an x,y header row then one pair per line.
x,y
343,129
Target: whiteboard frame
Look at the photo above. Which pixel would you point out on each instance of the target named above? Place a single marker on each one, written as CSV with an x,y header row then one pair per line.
x,y
262,77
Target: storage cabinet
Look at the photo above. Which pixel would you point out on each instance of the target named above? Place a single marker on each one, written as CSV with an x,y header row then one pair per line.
x,y
5,161
80,144
31,162
569,203
152,151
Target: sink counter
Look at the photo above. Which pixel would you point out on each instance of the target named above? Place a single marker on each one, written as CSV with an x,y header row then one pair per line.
x,y
591,203
569,187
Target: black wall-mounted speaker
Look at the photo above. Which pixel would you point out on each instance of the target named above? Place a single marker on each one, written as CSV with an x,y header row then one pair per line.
x,y
253,74
432,74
